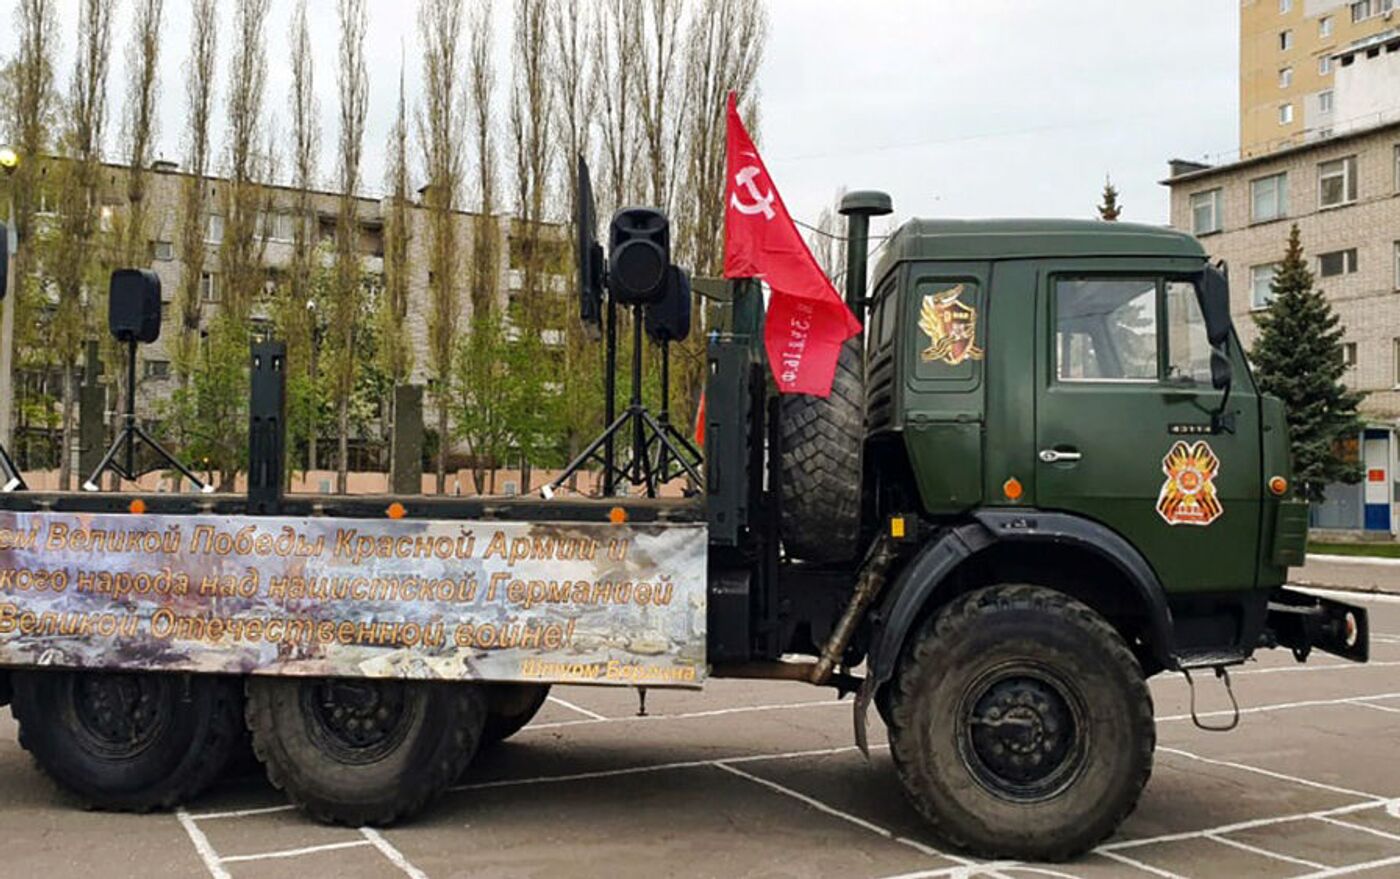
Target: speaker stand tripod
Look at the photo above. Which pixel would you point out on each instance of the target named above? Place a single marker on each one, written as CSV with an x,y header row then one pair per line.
x,y
131,432
646,468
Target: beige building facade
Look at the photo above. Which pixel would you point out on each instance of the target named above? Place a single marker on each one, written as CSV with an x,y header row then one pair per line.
x,y
1344,194
1296,57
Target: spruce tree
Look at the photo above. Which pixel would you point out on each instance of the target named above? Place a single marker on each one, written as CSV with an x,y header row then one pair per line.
x,y
1298,358
1110,208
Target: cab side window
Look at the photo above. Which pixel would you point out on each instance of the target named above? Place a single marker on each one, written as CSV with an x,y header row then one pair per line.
x,y
1106,329
1188,349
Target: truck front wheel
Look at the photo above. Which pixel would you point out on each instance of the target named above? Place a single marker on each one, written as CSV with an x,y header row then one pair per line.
x,y
1021,725
128,742
360,751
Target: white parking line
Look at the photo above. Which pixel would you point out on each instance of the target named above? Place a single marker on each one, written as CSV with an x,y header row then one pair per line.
x,y
1351,868
294,852
201,846
591,715
395,856
689,715
1280,776
242,813
1254,849
1362,827
1147,868
1277,706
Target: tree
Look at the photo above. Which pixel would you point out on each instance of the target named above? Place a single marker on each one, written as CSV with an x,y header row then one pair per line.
x,y
348,298
1298,358
481,75
296,315
1109,208
75,253
28,100
440,122
194,204
483,394
395,351
139,125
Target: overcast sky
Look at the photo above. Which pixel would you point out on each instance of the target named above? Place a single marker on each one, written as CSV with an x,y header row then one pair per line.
x,y
961,108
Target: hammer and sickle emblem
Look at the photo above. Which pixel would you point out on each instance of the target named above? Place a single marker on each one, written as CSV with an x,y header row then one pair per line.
x,y
761,204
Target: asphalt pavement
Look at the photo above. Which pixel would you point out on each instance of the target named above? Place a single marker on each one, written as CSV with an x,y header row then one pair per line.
x,y
762,779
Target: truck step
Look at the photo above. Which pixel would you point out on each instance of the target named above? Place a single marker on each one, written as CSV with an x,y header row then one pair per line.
x,y
1209,658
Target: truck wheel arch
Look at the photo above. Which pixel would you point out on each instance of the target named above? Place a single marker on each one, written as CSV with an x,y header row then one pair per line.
x,y
930,580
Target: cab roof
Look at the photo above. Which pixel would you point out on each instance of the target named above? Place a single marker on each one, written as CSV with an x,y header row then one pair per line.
x,y
979,240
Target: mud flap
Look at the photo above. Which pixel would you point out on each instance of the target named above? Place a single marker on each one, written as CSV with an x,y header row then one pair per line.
x,y
1303,622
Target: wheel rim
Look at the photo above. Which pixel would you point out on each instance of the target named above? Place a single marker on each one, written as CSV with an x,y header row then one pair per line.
x,y
119,715
358,721
1022,732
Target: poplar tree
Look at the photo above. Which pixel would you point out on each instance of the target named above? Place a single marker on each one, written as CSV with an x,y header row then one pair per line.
x,y
1297,357
395,352
441,122
347,300
194,201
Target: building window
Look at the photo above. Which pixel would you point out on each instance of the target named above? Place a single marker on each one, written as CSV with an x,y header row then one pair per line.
x,y
1395,347
1336,182
214,229
1349,355
155,369
162,251
208,287
1285,77
1324,101
1268,198
1324,26
1285,40
278,226
1285,114
1364,9
1397,265
1397,167
1260,280
1205,212
1324,65
1285,7
1338,262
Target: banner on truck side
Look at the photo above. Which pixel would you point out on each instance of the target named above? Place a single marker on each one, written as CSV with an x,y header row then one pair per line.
x,y
549,602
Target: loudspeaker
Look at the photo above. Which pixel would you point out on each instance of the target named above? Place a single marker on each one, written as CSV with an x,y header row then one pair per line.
x,y
639,251
669,319
588,254
133,305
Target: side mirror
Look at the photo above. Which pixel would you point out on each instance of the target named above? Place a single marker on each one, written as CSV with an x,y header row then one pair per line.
x,y
1214,287
1221,372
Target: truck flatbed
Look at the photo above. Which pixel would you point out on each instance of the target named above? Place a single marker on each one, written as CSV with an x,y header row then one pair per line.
x,y
506,508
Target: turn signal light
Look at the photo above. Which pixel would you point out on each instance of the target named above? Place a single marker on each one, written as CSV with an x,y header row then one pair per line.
x,y
1013,489
1278,485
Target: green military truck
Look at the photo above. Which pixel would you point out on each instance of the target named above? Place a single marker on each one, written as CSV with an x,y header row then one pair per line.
x,y
1044,475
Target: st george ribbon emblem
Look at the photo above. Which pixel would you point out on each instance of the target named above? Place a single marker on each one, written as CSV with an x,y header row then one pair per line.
x,y
1188,496
951,327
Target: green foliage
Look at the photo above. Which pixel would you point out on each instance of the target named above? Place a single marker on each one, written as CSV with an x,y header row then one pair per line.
x,y
209,415
1298,358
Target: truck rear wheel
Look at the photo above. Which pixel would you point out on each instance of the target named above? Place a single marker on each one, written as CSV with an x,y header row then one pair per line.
x,y
821,465
1021,725
128,742
360,751
509,707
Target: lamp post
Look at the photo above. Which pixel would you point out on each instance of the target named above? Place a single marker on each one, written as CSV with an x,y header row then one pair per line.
x,y
9,161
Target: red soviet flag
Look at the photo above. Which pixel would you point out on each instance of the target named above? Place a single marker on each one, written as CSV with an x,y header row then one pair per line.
x,y
807,320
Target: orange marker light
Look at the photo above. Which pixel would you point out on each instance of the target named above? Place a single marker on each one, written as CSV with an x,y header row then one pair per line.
x,y
1278,485
396,511
1013,489
617,515
137,506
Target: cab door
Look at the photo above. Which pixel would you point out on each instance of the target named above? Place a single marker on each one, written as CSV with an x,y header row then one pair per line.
x,y
1123,425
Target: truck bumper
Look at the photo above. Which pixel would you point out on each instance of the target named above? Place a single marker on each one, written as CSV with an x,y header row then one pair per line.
x,y
1303,622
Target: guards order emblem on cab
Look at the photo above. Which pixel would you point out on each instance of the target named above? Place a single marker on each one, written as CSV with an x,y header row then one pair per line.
x,y
1188,496
951,327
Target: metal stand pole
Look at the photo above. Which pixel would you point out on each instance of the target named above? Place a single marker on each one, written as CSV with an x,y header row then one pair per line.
x,y
609,398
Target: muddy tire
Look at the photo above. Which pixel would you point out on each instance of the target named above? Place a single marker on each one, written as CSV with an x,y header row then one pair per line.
x,y
821,465
1021,725
509,707
360,751
128,742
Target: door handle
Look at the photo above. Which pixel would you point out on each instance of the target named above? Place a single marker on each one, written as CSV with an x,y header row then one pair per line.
x,y
1052,456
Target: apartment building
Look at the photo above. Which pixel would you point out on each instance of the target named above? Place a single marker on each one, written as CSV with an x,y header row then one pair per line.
x,y
1295,58
1343,191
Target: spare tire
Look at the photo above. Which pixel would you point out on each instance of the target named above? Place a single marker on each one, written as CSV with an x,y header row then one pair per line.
x,y
820,463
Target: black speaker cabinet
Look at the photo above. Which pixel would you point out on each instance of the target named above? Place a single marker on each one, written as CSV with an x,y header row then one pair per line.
x,y
669,319
639,251
133,305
